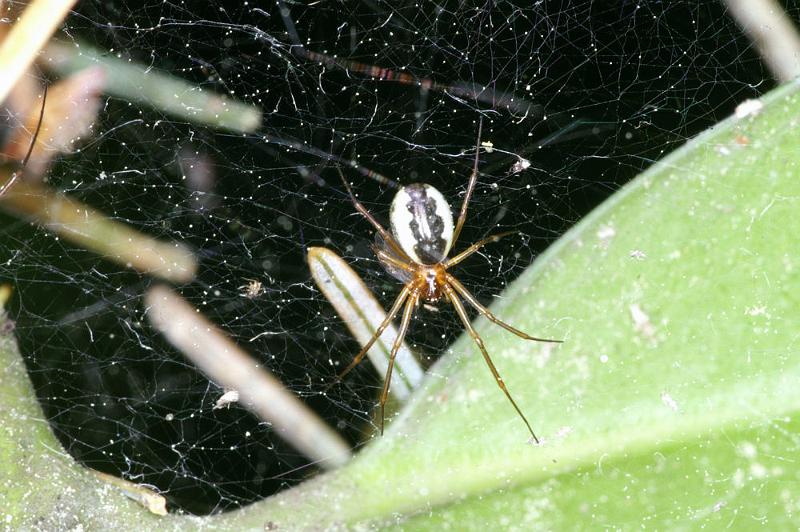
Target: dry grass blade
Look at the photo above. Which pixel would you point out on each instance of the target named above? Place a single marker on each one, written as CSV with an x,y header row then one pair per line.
x,y
773,33
20,48
90,228
139,83
362,314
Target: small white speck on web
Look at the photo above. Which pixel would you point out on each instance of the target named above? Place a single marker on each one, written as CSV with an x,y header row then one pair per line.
x,y
749,108
747,450
758,470
474,395
638,254
231,396
669,401
488,146
641,321
605,234
544,355
520,165
563,432
757,310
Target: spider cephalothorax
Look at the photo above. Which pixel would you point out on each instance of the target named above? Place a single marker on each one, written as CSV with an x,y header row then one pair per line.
x,y
431,279
416,252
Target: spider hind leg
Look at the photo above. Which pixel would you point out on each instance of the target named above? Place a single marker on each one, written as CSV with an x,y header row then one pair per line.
x,y
462,313
491,317
378,332
408,312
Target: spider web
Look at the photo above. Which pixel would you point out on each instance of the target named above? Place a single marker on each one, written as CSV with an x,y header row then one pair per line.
x,y
590,93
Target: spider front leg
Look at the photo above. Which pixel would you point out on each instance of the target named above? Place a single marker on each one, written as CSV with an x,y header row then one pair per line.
x,y
407,313
489,316
387,237
473,179
475,247
462,313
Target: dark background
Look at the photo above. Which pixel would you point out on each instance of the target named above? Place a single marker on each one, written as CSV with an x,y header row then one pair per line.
x,y
615,86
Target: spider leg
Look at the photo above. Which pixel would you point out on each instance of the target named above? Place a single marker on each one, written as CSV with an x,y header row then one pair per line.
x,y
387,237
475,247
462,313
392,261
489,316
407,313
389,317
473,179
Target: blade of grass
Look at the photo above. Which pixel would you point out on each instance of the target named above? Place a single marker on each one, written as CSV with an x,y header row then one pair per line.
x,y
774,34
137,83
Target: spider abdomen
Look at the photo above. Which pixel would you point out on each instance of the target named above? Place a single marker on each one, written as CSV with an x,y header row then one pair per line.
x,y
422,223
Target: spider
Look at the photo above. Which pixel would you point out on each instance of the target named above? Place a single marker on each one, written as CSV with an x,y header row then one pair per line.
x,y
415,252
